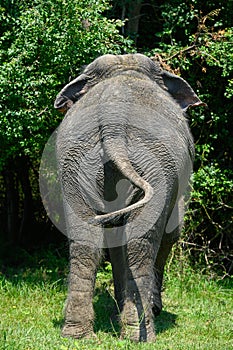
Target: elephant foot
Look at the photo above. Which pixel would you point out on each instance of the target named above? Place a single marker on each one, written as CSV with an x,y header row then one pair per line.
x,y
137,325
77,331
136,333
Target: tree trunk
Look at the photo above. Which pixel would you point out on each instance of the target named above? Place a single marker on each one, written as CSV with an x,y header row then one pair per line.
x,y
18,202
131,10
134,17
28,219
12,205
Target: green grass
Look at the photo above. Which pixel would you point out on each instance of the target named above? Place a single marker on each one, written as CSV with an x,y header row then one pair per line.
x,y
197,314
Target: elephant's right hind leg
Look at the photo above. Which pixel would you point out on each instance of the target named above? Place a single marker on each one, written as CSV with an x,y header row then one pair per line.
x,y
137,317
163,253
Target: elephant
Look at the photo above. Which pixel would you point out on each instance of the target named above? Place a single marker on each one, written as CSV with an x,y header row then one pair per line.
x,y
125,153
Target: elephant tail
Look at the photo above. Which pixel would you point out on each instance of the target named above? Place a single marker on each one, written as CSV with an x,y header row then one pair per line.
x,y
118,154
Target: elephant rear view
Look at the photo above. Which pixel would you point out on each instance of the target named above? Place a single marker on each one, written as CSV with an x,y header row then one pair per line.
x,y
125,154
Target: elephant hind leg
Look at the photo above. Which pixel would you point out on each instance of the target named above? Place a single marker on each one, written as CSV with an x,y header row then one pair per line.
x,y
79,313
162,255
137,316
137,321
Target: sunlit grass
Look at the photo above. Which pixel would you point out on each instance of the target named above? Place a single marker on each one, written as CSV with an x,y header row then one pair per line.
x,y
197,314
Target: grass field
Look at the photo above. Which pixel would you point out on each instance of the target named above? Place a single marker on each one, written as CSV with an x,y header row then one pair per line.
x,y
197,314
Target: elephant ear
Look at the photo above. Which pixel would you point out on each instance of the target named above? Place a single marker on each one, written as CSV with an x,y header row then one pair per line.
x,y
181,91
71,93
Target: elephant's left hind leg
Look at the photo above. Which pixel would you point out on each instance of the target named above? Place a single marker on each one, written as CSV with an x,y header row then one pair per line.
x,y
79,313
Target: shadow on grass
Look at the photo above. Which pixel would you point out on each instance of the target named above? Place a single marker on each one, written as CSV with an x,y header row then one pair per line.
x,y
51,266
104,307
105,313
58,323
106,316
164,321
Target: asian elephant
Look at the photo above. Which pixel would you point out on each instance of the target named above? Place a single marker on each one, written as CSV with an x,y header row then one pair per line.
x,y
125,154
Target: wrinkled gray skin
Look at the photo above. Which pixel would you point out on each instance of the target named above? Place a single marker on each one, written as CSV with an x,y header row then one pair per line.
x,y
117,102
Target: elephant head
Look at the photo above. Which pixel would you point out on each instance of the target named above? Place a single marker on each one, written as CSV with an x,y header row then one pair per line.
x,y
107,66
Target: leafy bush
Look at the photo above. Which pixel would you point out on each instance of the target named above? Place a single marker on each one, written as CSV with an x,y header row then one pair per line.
x,y
199,47
43,45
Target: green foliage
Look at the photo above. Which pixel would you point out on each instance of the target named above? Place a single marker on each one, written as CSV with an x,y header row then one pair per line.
x,y
43,44
208,229
196,41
